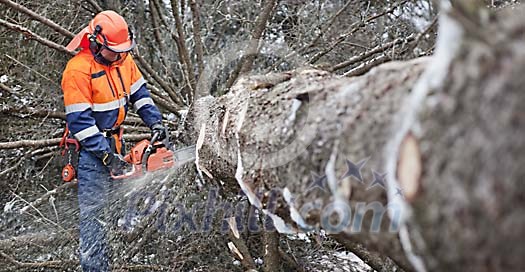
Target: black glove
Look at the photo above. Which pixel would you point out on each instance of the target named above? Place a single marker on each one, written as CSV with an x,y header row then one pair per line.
x,y
116,164
160,129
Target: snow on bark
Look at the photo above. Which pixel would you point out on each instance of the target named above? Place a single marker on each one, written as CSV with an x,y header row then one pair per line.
x,y
449,35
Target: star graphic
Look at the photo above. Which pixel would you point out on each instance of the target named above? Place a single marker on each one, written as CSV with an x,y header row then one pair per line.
x,y
399,192
379,179
317,182
354,170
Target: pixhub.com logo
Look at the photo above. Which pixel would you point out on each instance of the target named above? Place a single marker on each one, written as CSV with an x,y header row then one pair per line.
x,y
333,217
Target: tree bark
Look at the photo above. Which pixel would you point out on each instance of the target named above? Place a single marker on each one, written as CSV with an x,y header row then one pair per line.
x,y
465,132
268,135
311,120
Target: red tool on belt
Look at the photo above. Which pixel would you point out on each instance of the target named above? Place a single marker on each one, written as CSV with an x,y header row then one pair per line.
x,y
67,142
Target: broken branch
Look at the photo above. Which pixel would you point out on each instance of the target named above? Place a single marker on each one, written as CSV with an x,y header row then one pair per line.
x,y
32,36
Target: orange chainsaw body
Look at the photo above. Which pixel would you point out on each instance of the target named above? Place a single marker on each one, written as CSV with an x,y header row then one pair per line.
x,y
160,158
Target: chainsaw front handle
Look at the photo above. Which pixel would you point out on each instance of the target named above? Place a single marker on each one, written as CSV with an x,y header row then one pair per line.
x,y
128,174
149,149
154,137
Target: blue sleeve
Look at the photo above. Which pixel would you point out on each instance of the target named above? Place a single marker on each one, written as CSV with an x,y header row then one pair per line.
x,y
145,107
83,127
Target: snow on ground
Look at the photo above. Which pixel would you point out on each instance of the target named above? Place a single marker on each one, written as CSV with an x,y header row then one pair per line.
x,y
338,261
325,257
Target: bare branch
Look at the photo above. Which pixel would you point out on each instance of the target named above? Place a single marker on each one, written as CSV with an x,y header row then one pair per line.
x,y
375,50
32,36
38,239
326,27
165,104
140,267
354,28
366,66
422,34
95,5
13,167
199,48
62,264
33,112
182,9
373,259
165,86
29,143
260,26
42,113
186,61
246,62
6,89
56,141
48,264
47,195
38,17
272,258
34,155
33,70
155,19
242,249
291,261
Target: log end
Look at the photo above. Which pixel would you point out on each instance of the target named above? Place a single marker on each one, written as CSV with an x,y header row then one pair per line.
x,y
409,167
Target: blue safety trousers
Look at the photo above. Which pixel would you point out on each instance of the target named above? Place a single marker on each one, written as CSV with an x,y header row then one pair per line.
x,y
94,183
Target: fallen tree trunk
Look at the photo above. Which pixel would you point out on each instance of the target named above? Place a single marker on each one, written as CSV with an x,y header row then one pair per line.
x,y
288,125
269,133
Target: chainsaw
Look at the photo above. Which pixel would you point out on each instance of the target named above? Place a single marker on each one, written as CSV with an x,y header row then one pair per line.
x,y
152,155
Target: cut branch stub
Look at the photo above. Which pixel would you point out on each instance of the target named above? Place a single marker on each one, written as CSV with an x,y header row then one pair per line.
x,y
409,167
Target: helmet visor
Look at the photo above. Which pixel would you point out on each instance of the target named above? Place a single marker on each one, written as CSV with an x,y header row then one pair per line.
x,y
120,48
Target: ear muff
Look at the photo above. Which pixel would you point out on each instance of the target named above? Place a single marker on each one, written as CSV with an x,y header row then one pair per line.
x,y
93,45
131,36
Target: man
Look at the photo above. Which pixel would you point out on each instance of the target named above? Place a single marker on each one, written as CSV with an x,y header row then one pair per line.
x,y
99,85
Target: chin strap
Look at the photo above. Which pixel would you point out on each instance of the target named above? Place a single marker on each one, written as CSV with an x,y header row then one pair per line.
x,y
100,59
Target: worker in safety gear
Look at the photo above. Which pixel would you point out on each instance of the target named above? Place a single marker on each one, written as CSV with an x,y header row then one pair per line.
x,y
100,83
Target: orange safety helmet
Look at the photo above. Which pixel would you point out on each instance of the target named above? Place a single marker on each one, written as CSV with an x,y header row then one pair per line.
x,y
109,29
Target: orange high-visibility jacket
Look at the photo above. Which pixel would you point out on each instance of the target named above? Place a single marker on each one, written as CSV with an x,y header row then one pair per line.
x,y
96,97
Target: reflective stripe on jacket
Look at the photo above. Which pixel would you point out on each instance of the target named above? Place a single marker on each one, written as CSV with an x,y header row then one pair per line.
x,y
95,97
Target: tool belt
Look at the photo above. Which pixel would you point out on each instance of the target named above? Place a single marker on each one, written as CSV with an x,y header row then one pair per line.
x,y
116,142
71,148
111,131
